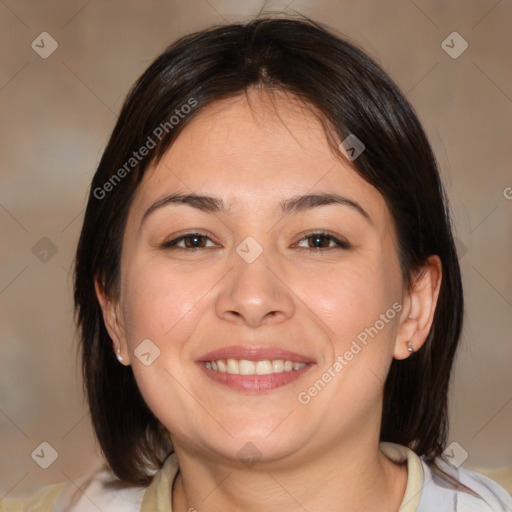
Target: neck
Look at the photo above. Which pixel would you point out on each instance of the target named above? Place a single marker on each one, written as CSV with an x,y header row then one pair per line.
x,y
352,478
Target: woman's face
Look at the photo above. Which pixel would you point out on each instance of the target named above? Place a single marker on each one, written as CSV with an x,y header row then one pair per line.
x,y
262,281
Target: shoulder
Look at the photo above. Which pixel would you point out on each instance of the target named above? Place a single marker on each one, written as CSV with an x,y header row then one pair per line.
x,y
43,499
99,491
446,488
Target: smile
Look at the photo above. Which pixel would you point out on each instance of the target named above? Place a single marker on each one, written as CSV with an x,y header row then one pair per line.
x,y
254,368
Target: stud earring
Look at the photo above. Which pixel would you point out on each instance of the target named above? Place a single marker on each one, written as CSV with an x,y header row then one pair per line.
x,y
118,355
409,347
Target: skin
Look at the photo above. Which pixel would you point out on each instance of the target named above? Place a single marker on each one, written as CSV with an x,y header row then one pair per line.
x,y
315,302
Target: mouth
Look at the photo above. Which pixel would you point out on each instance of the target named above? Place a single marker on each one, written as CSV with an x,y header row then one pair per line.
x,y
254,368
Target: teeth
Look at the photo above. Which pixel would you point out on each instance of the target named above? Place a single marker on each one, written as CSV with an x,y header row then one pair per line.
x,y
278,366
233,366
264,367
246,367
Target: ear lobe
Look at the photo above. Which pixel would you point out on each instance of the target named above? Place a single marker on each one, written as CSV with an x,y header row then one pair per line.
x,y
111,318
421,305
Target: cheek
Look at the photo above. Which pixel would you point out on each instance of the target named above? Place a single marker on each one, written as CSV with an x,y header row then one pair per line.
x,y
160,302
162,305
353,299
360,303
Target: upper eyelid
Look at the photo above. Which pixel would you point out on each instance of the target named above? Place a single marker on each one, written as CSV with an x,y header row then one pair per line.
x,y
337,240
179,238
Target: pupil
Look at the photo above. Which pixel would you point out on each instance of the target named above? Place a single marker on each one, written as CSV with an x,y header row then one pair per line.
x,y
318,239
195,241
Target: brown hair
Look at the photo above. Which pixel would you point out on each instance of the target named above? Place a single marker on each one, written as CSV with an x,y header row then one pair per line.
x,y
352,95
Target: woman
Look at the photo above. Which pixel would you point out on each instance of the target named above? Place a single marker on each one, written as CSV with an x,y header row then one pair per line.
x,y
267,288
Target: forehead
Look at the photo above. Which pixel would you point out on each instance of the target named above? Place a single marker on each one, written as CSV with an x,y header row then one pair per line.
x,y
255,150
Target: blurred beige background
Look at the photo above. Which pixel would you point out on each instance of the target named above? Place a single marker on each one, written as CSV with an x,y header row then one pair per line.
x,y
56,116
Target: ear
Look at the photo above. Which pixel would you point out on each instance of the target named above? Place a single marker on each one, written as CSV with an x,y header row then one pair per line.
x,y
113,322
419,308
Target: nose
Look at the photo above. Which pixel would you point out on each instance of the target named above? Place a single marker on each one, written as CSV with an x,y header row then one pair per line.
x,y
255,294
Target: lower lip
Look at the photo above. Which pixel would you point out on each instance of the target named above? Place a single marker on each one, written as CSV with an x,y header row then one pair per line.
x,y
255,383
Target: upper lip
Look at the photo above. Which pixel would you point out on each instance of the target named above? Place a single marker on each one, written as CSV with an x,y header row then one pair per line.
x,y
254,353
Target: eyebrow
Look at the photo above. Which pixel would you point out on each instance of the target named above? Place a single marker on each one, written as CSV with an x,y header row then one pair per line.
x,y
294,204
309,201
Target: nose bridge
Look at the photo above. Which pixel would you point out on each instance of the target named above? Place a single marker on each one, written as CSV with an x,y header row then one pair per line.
x,y
253,293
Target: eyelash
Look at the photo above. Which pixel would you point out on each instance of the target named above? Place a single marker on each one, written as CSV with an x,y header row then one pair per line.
x,y
341,244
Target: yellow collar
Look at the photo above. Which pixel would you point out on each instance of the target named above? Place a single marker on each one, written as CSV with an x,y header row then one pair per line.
x,y
158,496
399,453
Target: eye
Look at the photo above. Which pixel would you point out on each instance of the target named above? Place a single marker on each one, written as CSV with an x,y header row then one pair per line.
x,y
314,241
323,240
189,241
